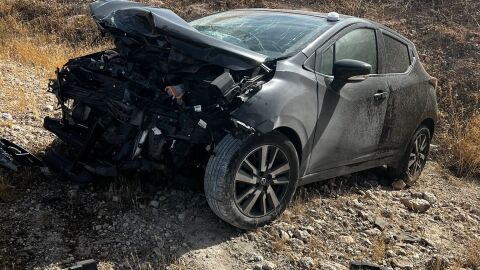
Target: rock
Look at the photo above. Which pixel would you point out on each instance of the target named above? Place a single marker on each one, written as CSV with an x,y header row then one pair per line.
x,y
283,226
252,236
416,194
267,265
157,251
399,185
429,197
255,258
98,227
307,263
301,234
475,211
154,204
390,253
381,223
365,215
402,263
48,108
181,217
416,205
373,232
284,235
309,229
347,239
328,265
6,116
371,195
297,243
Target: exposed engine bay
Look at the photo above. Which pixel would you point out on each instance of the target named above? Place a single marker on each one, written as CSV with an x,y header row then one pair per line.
x,y
140,112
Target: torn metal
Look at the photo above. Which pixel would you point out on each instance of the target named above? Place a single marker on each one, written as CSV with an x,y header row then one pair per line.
x,y
12,156
159,100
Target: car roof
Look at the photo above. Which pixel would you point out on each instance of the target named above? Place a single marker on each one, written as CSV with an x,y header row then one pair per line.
x,y
293,11
342,17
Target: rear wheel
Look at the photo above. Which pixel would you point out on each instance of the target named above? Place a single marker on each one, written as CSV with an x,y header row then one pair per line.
x,y
249,183
413,162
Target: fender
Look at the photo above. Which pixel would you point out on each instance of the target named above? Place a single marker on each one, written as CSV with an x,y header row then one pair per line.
x,y
288,100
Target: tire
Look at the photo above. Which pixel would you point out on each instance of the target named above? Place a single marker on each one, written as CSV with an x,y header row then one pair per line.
x,y
406,169
230,197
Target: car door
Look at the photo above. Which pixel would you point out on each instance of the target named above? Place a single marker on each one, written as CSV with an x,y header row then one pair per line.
x,y
350,119
407,99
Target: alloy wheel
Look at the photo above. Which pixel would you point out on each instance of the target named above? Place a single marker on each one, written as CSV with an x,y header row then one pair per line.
x,y
262,180
418,156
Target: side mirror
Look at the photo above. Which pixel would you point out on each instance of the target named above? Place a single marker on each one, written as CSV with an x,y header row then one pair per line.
x,y
349,69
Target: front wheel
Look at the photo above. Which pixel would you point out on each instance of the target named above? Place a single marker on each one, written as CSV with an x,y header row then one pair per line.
x,y
249,183
413,162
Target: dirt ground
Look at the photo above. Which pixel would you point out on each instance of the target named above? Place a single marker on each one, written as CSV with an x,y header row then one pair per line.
x,y
133,223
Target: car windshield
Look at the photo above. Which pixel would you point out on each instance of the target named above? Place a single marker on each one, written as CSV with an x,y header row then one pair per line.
x,y
274,34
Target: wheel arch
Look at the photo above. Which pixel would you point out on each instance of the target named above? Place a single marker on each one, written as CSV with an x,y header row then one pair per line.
x,y
294,138
430,123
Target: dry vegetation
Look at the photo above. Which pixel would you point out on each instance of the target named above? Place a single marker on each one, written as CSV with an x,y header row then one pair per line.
x,y
46,34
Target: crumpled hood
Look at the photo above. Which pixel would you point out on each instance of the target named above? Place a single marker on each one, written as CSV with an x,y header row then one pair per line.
x,y
139,20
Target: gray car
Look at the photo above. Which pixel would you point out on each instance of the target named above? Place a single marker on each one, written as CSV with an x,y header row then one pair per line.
x,y
259,101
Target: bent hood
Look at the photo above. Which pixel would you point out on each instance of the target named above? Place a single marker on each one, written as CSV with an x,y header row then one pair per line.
x,y
163,25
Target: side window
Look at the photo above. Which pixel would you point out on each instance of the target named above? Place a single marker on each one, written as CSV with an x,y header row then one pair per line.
x,y
326,61
397,58
359,44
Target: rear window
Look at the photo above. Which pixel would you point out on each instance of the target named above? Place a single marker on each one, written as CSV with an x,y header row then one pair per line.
x,y
397,57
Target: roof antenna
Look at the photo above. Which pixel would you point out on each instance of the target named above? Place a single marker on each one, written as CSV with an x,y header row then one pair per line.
x,y
333,17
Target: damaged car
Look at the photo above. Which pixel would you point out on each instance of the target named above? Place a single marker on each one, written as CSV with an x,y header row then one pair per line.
x,y
260,101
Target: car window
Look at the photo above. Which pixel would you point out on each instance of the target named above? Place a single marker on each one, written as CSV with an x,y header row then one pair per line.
x,y
397,59
359,44
326,61
275,34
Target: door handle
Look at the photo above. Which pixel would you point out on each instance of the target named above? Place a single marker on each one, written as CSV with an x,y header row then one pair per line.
x,y
380,95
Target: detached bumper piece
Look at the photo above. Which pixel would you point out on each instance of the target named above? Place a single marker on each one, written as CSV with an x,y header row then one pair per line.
x,y
12,156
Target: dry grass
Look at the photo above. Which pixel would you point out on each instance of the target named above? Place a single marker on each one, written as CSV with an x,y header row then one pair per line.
x,y
461,136
15,99
472,254
466,147
44,34
6,190
378,249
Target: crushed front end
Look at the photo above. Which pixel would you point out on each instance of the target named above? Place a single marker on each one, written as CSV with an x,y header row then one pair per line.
x,y
146,105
